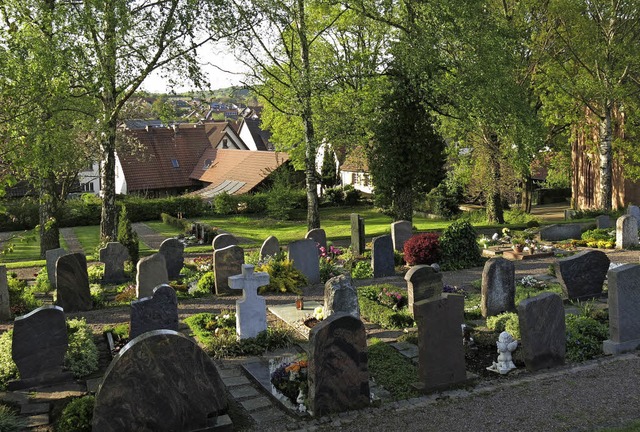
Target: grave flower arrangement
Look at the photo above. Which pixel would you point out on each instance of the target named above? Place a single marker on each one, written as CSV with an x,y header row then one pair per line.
x,y
330,263
222,324
393,299
289,378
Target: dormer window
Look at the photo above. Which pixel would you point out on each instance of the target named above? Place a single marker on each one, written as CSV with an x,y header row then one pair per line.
x,y
175,163
225,143
207,164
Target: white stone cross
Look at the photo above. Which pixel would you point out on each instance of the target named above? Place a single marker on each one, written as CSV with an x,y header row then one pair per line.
x,y
251,309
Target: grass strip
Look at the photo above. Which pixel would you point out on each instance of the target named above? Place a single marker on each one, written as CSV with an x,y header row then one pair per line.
x,y
392,370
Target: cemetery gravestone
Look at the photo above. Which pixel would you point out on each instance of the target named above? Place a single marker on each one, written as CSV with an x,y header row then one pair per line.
x,y
498,287
542,331
634,211
382,258
401,231
39,345
173,251
341,296
441,353
161,381
114,255
582,275
338,372
222,241
72,282
270,247
305,257
561,232
52,256
317,235
624,304
251,309
154,313
152,271
626,232
5,306
357,234
423,283
603,222
226,262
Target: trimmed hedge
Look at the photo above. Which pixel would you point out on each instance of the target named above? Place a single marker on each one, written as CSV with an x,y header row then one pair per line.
x,y
384,316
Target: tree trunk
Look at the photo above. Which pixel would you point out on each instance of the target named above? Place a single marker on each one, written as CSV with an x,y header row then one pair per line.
x,y
527,196
495,211
402,206
48,216
108,220
606,137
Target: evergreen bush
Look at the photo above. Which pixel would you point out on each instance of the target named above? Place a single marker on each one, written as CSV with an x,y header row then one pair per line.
x,y
82,354
459,246
127,236
77,416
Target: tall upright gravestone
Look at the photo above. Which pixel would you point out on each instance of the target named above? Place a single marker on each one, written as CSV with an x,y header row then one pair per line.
x,y
154,313
401,231
226,262
52,256
114,255
5,306
222,241
382,257
626,232
542,331
270,247
423,283
305,257
173,251
582,275
152,271
357,234
498,287
624,307
340,296
318,235
72,282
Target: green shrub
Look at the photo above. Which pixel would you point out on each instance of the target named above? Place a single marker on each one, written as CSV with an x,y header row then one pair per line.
x,y
283,276
518,216
8,369
334,196
225,204
443,201
599,234
459,247
42,284
95,272
207,283
142,209
127,236
385,316
391,370
98,296
77,415
256,203
9,420
584,337
362,270
82,354
21,296
507,321
282,201
119,331
352,195
183,224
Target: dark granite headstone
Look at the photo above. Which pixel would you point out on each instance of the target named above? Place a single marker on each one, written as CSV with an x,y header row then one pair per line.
x,y
154,313
227,262
173,251
161,381
222,241
338,370
317,235
401,231
382,258
270,247
624,309
5,306
52,256
72,281
423,283
38,348
498,287
357,234
441,353
114,255
626,232
152,271
542,331
341,296
305,257
582,275
561,232
603,222
634,211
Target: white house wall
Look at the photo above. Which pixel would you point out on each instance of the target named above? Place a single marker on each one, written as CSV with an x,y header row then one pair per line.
x,y
246,137
121,182
362,181
90,179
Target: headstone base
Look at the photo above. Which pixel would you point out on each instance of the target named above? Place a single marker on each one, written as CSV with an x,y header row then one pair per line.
x,y
513,255
615,348
426,389
219,424
40,381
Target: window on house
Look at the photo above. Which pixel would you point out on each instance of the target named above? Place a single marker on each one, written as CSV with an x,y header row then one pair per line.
x,y
354,178
225,143
175,163
207,164
87,187
365,179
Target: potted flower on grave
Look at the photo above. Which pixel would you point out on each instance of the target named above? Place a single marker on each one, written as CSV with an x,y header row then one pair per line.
x,y
290,379
518,244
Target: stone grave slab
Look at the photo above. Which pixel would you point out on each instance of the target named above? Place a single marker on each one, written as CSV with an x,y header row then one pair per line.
x,y
338,366
626,232
305,257
582,275
357,234
52,256
518,256
39,345
423,283
173,251
318,235
152,271
401,231
382,257
72,283
114,255
624,304
270,247
161,381
498,287
293,317
340,296
5,306
251,309
157,312
542,331
222,241
227,262
561,232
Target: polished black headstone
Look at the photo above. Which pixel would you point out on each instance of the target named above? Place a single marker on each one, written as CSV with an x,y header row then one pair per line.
x,y
154,313
72,283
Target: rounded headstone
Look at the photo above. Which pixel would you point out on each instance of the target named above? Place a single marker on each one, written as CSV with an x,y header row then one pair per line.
x,y
626,232
317,235
154,313
72,283
152,271
223,240
340,296
498,287
173,251
270,247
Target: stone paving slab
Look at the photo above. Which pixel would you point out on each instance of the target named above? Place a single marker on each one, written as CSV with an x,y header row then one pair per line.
x,y
267,416
235,381
256,403
34,408
37,420
243,392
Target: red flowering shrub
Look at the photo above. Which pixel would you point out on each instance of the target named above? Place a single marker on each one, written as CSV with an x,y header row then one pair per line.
x,y
422,249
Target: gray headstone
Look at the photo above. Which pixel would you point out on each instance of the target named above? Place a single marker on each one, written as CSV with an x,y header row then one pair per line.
x,y
305,257
441,353
382,258
5,306
114,255
173,251
227,262
52,256
338,369
542,331
38,348
423,283
626,232
357,234
161,381
603,222
317,235
624,307
634,211
561,232
270,247
222,241
154,313
498,287
582,275
72,281
401,231
251,309
340,296
152,271
569,214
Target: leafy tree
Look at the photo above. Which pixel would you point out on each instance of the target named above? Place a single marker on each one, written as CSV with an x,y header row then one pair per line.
x,y
164,110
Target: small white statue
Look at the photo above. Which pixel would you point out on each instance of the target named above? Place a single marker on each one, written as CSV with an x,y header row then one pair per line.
x,y
506,345
300,401
495,237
